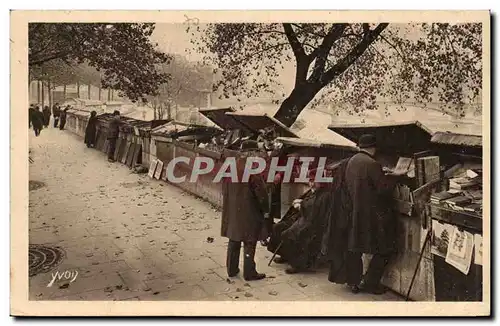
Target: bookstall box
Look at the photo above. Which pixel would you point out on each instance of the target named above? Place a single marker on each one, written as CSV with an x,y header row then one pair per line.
x,y
76,121
177,139
457,218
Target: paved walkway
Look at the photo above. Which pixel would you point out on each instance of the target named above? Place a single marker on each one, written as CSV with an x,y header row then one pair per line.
x,y
132,238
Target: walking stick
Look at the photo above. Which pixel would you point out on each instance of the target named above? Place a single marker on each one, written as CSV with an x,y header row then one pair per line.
x,y
275,253
427,237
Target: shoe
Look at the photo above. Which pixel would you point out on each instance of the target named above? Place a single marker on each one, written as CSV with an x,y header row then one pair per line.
x,y
249,271
280,260
377,290
354,289
293,270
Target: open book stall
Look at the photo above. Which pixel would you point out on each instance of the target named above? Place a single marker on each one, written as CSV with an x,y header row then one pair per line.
x,y
456,213
405,146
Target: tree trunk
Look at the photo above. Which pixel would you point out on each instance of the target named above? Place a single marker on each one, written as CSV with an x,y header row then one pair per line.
x,y
64,93
296,102
112,95
43,96
38,91
89,90
78,89
49,87
169,111
109,95
100,89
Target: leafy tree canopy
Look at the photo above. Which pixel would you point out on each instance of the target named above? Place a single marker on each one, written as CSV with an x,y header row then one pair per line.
x,y
123,52
351,63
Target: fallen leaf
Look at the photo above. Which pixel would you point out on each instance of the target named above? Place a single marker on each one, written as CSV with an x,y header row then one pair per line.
x,y
302,285
64,286
274,293
248,295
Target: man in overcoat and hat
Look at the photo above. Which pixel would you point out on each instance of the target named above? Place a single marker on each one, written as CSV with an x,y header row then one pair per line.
x,y
245,219
371,225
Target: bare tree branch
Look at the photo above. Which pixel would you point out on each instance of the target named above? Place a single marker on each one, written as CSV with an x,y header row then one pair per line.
x,y
353,55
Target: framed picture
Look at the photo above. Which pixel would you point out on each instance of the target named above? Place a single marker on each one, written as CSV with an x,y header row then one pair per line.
x,y
152,168
159,169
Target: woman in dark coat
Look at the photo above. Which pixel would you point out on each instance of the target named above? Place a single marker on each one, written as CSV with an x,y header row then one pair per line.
x,y
245,218
90,131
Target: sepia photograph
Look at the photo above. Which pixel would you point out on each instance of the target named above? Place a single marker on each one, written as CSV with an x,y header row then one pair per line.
x,y
228,162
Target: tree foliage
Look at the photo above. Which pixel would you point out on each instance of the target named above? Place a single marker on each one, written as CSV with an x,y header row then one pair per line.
x,y
59,73
356,64
123,52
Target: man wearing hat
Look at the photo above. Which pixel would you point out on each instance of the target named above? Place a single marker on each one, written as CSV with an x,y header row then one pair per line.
x,y
371,228
245,216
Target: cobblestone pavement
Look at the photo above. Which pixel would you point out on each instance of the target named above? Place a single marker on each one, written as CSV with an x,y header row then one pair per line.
x,y
132,238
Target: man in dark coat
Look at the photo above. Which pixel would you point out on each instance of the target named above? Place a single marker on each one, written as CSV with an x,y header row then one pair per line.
x,y
37,120
245,217
371,224
113,133
56,112
297,237
90,131
46,116
63,117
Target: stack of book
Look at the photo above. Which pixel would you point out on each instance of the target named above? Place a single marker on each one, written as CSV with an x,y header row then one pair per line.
x,y
459,201
466,180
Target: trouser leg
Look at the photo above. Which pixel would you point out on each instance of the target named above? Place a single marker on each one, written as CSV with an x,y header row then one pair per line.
x,y
233,258
249,270
376,270
111,148
354,268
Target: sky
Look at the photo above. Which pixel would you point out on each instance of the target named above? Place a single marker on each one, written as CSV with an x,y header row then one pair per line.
x,y
172,38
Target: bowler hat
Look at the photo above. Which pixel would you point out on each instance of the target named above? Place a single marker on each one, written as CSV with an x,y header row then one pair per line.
x,y
367,140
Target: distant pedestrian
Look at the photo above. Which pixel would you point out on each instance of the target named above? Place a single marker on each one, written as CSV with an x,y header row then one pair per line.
x,y
31,114
37,121
56,112
63,117
113,132
46,116
91,130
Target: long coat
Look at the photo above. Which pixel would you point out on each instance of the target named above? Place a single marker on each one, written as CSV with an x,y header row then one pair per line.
x,y
372,222
90,131
114,128
37,119
243,209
